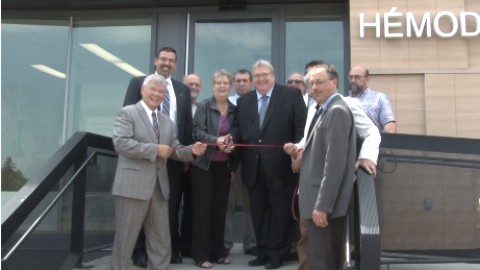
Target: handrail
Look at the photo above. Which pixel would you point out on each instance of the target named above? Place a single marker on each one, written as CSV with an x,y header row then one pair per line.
x,y
367,229
47,209
73,154
17,209
430,143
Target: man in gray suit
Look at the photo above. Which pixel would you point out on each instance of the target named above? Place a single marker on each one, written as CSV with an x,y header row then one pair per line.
x,y
144,140
328,169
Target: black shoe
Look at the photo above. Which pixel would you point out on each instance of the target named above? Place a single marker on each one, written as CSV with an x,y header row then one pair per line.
x,y
273,265
140,259
227,251
251,251
176,260
257,262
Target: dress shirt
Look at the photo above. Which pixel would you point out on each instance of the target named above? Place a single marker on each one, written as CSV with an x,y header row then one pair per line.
x,y
173,100
363,126
233,99
259,98
149,112
377,106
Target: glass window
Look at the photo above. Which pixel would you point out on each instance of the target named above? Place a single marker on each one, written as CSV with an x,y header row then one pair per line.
x,y
34,64
233,46
106,55
315,40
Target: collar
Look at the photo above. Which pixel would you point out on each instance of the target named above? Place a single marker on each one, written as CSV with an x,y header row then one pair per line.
x,y
168,80
147,109
269,93
325,104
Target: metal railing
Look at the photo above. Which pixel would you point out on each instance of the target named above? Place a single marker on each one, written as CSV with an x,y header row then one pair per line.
x,y
72,154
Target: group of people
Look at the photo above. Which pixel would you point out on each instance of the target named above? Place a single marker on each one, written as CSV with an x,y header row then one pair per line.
x,y
190,160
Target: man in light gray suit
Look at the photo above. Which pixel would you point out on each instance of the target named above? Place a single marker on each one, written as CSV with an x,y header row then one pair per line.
x,y
328,169
144,140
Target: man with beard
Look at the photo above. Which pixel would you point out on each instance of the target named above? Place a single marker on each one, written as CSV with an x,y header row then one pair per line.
x,y
376,105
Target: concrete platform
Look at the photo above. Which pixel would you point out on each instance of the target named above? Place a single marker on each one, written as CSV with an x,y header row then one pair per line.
x,y
240,262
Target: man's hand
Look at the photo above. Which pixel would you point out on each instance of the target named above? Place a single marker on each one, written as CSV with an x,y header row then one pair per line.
x,y
320,218
297,163
368,165
164,151
290,149
199,148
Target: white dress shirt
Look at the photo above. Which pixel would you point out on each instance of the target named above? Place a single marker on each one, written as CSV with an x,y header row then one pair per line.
x,y
363,126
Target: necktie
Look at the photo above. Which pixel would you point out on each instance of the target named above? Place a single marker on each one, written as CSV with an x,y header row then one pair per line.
x,y
314,119
263,109
166,102
155,126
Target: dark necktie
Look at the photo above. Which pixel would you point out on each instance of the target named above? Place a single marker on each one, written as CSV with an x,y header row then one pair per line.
x,y
166,102
155,126
263,109
314,119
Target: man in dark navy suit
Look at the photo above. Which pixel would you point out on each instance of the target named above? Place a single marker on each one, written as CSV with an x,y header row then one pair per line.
x,y
271,115
179,110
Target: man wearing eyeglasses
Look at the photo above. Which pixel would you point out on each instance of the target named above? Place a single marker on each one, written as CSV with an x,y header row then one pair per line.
x,y
295,80
265,119
376,105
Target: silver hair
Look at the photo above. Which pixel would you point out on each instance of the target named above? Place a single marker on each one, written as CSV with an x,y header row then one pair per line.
x,y
263,63
157,78
222,72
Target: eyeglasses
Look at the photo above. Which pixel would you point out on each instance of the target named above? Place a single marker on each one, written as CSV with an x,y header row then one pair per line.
x,y
355,77
222,83
263,76
294,81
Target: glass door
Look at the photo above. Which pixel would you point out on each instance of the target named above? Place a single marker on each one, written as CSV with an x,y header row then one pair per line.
x,y
231,41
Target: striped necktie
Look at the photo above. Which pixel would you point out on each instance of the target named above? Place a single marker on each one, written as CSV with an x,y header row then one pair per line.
x,y
155,126
263,109
166,102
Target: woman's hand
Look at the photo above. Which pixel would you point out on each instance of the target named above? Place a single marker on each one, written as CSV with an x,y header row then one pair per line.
x,y
225,144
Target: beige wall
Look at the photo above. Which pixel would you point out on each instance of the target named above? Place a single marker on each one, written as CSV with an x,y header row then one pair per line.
x,y
434,87
433,83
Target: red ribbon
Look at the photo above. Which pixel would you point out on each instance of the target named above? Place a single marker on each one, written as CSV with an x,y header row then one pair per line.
x,y
238,145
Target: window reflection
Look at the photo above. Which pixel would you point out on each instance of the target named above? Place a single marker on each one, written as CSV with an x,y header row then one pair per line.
x,y
231,46
32,98
316,40
100,74
34,78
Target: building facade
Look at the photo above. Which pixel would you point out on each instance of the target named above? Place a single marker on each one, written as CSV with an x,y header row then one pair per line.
x,y
66,66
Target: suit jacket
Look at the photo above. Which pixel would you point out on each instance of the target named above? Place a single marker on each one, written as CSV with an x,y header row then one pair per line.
x,y
284,122
328,166
138,165
184,106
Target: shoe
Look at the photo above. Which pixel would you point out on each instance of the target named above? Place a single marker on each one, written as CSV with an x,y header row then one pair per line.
x,y
205,264
227,251
140,259
251,251
223,261
273,265
257,262
176,260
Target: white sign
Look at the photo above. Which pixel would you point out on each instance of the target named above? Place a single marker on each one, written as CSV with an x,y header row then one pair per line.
x,y
394,22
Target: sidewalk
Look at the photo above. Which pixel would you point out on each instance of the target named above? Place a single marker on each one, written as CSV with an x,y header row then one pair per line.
x,y
240,262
